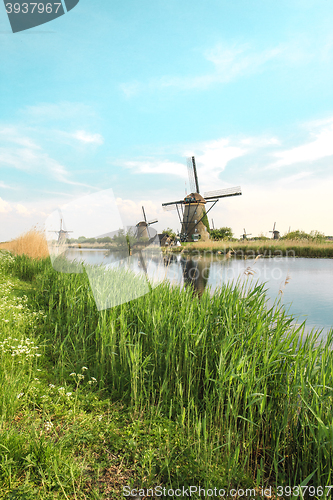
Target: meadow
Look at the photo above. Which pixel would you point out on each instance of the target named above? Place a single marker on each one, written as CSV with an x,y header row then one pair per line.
x,y
166,390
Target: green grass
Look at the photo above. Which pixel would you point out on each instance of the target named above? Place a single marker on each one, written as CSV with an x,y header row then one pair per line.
x,y
269,248
168,389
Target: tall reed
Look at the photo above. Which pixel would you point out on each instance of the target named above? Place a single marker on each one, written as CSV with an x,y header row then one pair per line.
x,y
234,373
32,243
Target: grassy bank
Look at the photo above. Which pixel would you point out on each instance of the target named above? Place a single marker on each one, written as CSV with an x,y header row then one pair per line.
x,y
265,248
165,390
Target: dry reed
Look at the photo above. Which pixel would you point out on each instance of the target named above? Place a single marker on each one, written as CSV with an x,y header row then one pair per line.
x,y
33,244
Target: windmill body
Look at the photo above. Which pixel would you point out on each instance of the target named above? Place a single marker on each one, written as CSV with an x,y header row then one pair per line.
x,y
143,227
275,233
192,211
62,234
245,235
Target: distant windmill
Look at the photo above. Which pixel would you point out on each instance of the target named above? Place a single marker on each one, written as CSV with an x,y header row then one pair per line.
x,y
245,235
142,227
193,206
62,234
275,234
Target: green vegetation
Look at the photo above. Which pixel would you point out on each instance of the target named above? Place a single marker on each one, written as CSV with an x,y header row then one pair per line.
x,y
83,239
164,390
169,232
297,235
205,222
269,248
224,233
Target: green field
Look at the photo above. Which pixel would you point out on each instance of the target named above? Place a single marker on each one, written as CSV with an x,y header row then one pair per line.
x,y
167,390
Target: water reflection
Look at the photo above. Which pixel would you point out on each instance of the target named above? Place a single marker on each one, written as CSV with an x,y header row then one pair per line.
x,y
195,274
308,293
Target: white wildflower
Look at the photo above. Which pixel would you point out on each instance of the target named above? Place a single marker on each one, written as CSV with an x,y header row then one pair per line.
x,y
48,426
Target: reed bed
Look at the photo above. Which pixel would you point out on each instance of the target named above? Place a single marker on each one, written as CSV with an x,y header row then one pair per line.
x,y
32,243
269,248
251,393
220,391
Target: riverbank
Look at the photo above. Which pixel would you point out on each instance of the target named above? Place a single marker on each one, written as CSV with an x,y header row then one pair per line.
x,y
270,248
165,390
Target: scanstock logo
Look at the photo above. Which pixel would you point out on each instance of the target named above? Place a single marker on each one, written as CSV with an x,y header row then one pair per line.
x,y
24,15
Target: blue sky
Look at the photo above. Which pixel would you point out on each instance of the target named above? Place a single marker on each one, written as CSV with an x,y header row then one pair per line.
x,y
118,94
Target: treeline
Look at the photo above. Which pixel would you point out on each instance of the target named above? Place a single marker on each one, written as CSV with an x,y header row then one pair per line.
x,y
226,233
83,239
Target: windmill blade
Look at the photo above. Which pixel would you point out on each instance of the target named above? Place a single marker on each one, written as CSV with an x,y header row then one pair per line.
x,y
168,208
191,175
195,175
144,215
153,221
180,202
223,193
274,227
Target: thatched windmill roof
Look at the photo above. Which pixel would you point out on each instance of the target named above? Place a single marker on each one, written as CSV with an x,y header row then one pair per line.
x,y
194,197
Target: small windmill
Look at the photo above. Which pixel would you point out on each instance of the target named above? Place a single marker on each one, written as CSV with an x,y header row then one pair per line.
x,y
62,234
275,234
245,235
142,226
191,210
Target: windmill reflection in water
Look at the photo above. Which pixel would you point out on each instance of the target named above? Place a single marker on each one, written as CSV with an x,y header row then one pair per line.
x,y
195,272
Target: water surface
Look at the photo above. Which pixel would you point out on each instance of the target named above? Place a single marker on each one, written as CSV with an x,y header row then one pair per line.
x,y
304,285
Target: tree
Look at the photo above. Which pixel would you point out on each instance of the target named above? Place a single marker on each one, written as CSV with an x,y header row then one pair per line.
x,y
169,232
224,233
301,235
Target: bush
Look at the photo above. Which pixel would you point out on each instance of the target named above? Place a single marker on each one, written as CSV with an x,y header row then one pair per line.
x,y
224,233
301,235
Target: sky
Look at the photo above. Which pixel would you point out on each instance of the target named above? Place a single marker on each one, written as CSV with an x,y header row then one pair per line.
x,y
116,95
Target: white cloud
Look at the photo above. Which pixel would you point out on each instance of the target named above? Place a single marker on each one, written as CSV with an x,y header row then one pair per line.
x,y
22,210
212,158
57,111
291,179
20,152
229,63
4,206
319,148
5,186
157,167
83,136
131,211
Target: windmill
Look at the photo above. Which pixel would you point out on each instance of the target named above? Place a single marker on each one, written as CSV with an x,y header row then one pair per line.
x,y
275,234
245,235
191,210
62,234
142,226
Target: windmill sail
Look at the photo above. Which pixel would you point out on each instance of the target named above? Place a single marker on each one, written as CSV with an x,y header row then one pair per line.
x,y
191,175
194,215
223,193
